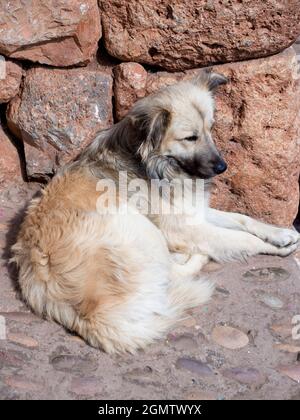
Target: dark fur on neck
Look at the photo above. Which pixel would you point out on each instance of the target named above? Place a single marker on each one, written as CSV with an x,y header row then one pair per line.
x,y
132,145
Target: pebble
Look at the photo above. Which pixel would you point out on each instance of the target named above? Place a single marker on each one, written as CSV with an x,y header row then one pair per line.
x,y
289,348
72,363
229,337
245,375
195,366
292,371
22,340
223,291
271,301
142,376
86,386
22,383
283,330
267,274
25,317
183,342
12,358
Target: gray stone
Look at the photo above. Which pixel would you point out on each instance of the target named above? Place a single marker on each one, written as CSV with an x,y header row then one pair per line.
x,y
266,274
194,366
75,364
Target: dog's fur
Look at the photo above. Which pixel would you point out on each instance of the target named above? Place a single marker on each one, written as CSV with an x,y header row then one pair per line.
x,y
112,278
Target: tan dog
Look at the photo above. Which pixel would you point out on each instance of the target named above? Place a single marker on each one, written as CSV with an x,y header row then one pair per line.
x,y
111,277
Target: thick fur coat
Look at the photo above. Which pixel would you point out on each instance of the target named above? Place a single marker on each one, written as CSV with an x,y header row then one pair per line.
x,y
112,277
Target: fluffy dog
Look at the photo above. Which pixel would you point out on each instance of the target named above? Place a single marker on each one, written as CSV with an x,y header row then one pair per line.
x,y
111,277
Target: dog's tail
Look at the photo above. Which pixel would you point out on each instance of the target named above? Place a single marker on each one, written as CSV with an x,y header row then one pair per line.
x,y
149,314
134,327
188,293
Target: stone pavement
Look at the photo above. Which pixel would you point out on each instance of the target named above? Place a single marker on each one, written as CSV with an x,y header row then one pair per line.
x,y
238,346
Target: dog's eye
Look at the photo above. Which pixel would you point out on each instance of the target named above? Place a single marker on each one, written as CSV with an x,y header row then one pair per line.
x,y
191,138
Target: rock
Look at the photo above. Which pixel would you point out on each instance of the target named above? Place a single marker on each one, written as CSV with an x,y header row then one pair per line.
x,y
58,33
23,383
86,386
129,86
292,371
194,366
262,157
267,274
245,375
23,317
10,169
282,330
10,79
271,301
73,364
288,348
125,91
22,340
12,358
183,342
186,34
257,131
228,337
143,376
58,114
223,291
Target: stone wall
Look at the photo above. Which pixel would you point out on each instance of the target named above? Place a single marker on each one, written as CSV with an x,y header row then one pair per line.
x,y
70,67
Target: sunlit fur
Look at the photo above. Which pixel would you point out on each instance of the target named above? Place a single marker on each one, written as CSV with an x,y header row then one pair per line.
x,y
112,278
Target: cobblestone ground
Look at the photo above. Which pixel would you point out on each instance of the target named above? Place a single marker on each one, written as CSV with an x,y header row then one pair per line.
x,y
239,346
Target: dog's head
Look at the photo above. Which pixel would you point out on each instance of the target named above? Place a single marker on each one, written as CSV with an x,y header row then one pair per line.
x,y
175,127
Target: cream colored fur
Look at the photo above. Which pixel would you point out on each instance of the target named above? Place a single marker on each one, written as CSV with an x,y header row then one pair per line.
x,y
112,278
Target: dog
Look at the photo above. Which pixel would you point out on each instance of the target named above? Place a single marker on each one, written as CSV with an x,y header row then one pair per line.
x,y
112,278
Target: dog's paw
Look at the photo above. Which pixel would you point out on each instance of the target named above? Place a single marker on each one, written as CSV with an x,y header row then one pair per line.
x,y
283,237
285,251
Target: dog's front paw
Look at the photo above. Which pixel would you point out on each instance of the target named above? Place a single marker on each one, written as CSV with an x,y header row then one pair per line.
x,y
287,250
283,237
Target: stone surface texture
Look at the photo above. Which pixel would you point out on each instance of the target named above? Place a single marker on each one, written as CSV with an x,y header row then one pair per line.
x,y
10,170
58,113
183,34
10,79
55,32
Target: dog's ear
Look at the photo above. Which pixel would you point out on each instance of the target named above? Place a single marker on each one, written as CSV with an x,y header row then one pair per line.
x,y
152,126
209,79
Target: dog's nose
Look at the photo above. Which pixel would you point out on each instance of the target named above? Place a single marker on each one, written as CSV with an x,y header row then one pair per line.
x,y
220,167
